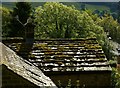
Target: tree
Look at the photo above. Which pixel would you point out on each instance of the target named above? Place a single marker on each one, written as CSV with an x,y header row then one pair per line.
x,y
6,16
118,11
110,26
55,20
83,7
115,78
20,16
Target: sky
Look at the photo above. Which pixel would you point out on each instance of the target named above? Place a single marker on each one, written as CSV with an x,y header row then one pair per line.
x,y
61,0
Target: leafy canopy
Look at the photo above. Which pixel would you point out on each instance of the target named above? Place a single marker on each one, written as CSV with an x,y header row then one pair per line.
x,y
6,17
55,20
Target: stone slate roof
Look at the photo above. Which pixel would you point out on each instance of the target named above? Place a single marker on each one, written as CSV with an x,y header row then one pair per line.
x,y
23,67
67,55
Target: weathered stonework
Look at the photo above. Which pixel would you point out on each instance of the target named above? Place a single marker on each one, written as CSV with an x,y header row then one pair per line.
x,y
18,72
75,59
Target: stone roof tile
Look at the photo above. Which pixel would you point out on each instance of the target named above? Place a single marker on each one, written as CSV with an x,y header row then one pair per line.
x,y
23,68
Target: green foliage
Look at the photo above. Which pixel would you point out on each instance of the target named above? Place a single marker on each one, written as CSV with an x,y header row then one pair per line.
x,y
110,26
89,6
113,63
5,20
9,5
55,20
115,78
83,6
21,12
58,22
118,34
70,85
97,7
118,8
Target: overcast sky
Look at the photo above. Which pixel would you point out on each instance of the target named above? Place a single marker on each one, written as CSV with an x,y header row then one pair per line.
x,y
61,0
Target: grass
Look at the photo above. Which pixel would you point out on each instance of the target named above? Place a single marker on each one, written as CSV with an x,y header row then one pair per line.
x,y
76,4
97,7
11,5
88,6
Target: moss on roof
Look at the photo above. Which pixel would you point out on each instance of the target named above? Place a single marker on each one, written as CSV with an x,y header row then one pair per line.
x,y
77,53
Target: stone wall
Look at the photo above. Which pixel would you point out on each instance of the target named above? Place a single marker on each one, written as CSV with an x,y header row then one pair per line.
x,y
88,79
13,80
17,72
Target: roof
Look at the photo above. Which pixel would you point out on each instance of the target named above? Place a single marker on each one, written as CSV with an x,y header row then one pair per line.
x,y
23,68
68,55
